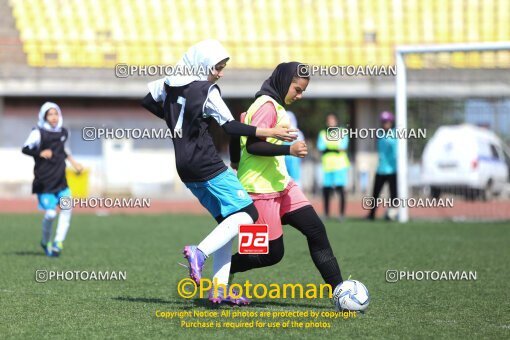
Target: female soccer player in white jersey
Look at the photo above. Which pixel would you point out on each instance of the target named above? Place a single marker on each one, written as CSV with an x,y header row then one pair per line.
x,y
190,102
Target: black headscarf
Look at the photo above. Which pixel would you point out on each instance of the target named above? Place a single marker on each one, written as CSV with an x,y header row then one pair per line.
x,y
278,84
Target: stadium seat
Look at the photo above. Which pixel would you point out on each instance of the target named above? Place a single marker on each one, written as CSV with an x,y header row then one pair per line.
x,y
94,33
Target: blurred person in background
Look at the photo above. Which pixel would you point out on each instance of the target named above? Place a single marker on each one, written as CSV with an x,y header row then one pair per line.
x,y
294,163
335,165
387,168
46,144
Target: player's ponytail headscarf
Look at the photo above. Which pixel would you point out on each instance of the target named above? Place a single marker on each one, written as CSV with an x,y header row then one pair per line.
x,y
199,58
277,85
43,124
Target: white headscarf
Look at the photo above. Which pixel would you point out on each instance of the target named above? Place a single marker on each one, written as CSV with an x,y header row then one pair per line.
x,y
43,124
202,56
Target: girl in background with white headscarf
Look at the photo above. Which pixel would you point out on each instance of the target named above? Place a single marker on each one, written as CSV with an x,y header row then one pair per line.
x,y
189,101
46,145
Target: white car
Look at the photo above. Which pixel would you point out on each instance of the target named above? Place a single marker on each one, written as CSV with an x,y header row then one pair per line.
x,y
465,159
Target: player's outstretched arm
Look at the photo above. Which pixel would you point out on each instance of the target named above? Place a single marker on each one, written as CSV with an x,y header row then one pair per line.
x,y
235,128
284,134
259,147
153,106
216,108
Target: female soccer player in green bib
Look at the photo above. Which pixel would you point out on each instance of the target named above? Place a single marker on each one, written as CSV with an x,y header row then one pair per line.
x,y
263,174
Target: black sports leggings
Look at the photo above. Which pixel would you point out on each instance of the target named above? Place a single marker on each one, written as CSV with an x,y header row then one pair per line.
x,y
310,225
378,185
326,195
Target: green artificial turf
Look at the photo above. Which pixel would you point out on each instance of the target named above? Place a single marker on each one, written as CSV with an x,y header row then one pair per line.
x,y
148,249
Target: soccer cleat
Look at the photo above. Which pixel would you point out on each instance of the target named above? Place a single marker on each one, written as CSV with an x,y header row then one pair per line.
x,y
242,300
218,297
57,249
238,300
47,248
196,260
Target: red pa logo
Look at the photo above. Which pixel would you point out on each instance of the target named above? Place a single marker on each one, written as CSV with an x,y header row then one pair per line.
x,y
253,239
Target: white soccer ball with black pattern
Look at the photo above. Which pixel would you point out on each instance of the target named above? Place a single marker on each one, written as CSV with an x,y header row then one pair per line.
x,y
391,214
351,295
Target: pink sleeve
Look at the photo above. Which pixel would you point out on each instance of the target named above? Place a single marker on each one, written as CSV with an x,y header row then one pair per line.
x,y
265,117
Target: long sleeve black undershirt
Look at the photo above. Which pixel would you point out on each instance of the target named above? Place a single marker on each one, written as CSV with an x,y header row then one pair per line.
x,y
31,152
233,128
256,146
153,106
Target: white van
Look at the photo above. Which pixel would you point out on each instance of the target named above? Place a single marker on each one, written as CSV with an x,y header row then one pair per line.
x,y
465,159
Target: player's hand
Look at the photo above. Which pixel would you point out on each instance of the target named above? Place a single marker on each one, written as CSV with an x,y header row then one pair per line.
x,y
46,154
78,167
234,166
299,149
284,134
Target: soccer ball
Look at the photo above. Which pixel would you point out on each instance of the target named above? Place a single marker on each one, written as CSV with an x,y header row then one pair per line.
x,y
351,295
392,214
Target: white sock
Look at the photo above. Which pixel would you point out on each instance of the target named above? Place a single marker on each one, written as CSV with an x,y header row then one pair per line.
x,y
64,221
224,232
47,224
221,263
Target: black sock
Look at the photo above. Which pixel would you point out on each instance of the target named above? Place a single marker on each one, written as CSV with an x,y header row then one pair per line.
x,y
327,265
309,224
244,262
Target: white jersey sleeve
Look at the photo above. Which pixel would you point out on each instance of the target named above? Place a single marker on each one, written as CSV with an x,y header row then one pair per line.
x,y
34,139
157,90
215,107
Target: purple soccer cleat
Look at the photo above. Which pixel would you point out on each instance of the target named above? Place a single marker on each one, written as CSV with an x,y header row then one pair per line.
x,y
196,260
238,300
218,297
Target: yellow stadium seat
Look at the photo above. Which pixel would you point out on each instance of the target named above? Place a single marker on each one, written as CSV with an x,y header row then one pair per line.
x,y
96,33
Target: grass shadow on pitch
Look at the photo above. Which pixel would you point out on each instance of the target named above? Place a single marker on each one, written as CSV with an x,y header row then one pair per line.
x,y
290,304
27,253
143,299
179,303
204,303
